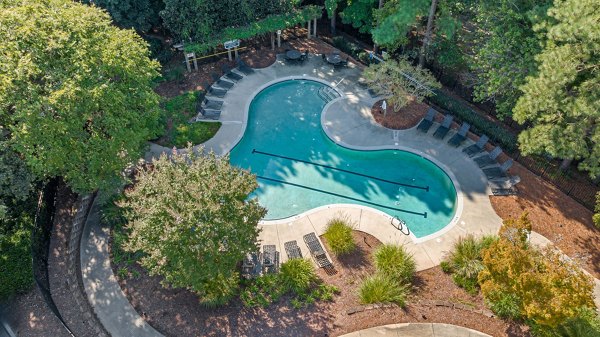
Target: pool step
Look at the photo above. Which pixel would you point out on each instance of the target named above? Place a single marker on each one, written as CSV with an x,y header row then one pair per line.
x,y
327,94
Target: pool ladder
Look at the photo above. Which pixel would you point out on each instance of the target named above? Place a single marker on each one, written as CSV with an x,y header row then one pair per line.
x,y
400,225
327,94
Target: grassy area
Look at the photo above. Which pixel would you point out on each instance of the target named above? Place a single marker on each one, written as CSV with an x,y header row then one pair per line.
x,y
177,113
339,236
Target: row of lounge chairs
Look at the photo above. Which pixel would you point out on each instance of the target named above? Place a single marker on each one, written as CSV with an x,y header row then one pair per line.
x,y
258,263
210,108
497,174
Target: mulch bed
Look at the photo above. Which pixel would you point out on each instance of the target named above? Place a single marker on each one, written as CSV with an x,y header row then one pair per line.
x,y
177,312
403,119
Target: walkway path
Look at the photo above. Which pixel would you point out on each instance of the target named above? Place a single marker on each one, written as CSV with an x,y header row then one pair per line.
x,y
417,330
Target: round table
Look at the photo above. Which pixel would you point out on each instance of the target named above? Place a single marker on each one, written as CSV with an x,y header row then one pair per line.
x,y
334,58
293,54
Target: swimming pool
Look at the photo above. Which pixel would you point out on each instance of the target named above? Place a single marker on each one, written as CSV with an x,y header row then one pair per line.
x,y
299,168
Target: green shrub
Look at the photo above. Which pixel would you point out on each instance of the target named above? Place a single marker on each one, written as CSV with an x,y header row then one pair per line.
x,y
346,46
219,290
339,236
505,305
464,262
586,324
380,288
297,275
394,262
262,291
16,274
596,216
479,124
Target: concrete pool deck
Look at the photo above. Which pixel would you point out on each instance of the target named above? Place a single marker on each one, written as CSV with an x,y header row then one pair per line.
x,y
348,122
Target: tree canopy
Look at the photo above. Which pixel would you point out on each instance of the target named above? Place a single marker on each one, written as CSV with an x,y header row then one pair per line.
x,y
400,81
396,19
142,15
75,91
562,102
541,284
191,217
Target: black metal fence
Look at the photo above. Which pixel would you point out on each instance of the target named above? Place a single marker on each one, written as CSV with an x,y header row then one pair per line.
x,y
40,245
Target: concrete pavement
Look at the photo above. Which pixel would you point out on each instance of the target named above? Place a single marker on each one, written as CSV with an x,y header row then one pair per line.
x,y
417,330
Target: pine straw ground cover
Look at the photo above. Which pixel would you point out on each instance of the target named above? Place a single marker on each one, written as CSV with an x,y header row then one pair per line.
x,y
176,312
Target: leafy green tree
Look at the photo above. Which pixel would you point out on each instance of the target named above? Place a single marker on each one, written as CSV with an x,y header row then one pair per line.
x,y
505,46
396,19
359,14
400,81
191,217
541,285
16,181
75,91
141,15
562,102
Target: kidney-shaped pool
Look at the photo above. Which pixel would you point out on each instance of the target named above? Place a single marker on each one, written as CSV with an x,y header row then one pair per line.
x,y
299,168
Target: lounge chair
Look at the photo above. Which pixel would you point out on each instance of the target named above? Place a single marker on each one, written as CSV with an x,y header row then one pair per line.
x,y
324,57
210,104
488,159
427,121
504,183
229,74
443,129
244,68
209,113
476,148
460,136
216,92
317,251
270,259
292,250
219,82
498,172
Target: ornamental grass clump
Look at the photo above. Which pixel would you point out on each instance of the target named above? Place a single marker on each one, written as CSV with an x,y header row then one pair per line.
x,y
380,288
391,283
339,236
395,262
298,275
465,263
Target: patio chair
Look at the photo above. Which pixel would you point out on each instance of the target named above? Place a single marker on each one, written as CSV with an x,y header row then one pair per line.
x,y
498,172
488,159
292,250
324,58
316,250
270,259
251,265
427,121
216,92
244,68
219,82
460,136
443,129
476,148
504,183
209,113
229,74
209,104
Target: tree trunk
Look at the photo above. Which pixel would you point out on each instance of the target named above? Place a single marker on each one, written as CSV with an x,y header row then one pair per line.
x,y
333,22
427,38
565,164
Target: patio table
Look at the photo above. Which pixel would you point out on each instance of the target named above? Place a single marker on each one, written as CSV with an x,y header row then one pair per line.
x,y
293,54
334,58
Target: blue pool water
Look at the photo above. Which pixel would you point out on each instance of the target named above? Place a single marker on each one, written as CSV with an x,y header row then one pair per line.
x,y
300,168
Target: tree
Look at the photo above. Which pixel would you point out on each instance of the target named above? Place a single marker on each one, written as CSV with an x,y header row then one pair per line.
x,y
16,181
562,102
541,284
192,219
141,15
396,19
331,8
428,32
75,95
505,46
359,14
399,80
